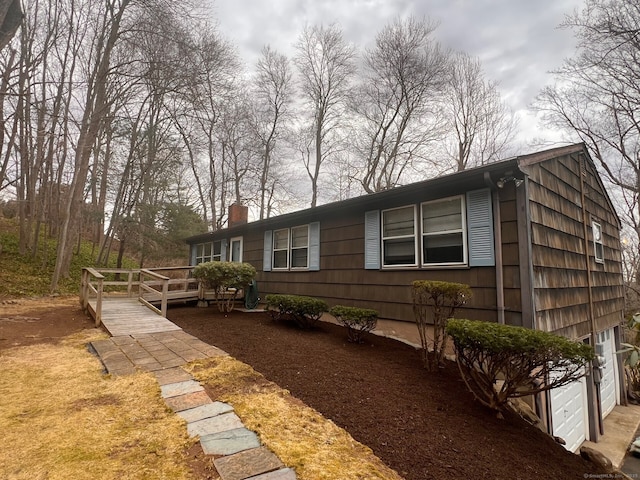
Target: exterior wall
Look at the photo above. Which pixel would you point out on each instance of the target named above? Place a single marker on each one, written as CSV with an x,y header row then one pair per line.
x,y
342,278
560,271
541,237
511,243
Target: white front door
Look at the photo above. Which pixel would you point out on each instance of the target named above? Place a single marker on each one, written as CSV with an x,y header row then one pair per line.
x,y
569,413
605,347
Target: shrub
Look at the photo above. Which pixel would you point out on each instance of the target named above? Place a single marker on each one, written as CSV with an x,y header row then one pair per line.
x,y
225,279
526,361
439,301
305,311
357,320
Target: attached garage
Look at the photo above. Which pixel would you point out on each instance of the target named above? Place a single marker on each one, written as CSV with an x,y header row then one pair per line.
x,y
569,413
569,405
605,348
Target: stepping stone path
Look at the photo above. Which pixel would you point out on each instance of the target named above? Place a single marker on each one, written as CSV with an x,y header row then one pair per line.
x,y
238,453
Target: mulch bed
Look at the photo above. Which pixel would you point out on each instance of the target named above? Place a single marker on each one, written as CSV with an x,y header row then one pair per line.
x,y
424,425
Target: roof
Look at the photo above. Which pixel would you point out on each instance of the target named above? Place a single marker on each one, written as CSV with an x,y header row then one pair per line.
x,y
473,178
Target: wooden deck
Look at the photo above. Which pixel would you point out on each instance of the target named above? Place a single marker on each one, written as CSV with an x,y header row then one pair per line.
x,y
128,316
134,302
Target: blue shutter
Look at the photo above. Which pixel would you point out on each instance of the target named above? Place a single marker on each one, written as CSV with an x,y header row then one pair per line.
x,y
266,254
314,246
372,240
194,249
223,250
480,228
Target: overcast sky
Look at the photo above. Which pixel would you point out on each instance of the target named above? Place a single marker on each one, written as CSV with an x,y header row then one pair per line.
x,y
518,41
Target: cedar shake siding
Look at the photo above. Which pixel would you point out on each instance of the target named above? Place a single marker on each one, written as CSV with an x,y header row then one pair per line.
x,y
566,280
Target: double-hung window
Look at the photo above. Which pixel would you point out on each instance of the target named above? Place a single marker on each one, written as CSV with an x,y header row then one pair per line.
x,y
454,231
443,232
300,247
291,248
295,248
281,249
399,237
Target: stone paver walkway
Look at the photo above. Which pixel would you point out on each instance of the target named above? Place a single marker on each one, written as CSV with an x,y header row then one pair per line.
x,y
238,453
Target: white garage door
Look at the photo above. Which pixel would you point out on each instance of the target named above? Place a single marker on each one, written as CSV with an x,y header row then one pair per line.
x,y
606,349
569,413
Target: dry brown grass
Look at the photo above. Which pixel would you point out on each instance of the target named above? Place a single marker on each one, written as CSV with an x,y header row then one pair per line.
x,y
61,418
302,438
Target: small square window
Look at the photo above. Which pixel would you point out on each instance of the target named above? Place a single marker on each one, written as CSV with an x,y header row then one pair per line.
x,y
598,247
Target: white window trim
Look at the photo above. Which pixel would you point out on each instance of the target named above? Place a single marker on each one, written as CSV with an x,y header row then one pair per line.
x,y
274,250
597,241
290,248
200,256
235,239
463,230
383,238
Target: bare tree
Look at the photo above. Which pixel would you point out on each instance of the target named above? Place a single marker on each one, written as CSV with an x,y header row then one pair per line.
x,y
214,85
237,148
326,65
405,72
95,106
482,126
272,89
596,98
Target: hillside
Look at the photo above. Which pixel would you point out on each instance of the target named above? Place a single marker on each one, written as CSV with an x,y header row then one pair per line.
x,y
30,275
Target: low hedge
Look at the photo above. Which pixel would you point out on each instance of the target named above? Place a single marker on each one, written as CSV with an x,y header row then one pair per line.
x,y
357,320
305,311
522,361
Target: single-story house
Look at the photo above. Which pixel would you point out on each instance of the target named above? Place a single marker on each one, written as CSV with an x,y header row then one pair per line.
x,y
535,236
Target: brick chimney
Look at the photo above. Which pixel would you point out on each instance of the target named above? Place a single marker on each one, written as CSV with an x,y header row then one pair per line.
x,y
238,215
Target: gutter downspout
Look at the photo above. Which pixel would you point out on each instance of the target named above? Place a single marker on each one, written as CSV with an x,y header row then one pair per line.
x,y
497,229
592,323
497,247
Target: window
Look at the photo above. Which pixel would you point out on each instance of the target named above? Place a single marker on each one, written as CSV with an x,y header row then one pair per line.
x,y
291,247
598,248
236,249
281,249
399,237
209,252
300,247
443,232
454,231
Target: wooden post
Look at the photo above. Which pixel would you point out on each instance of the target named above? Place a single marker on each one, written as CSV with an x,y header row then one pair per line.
x,y
83,290
130,283
99,301
165,291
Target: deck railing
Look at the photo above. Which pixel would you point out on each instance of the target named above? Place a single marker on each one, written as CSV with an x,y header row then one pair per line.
x,y
150,285
92,283
149,288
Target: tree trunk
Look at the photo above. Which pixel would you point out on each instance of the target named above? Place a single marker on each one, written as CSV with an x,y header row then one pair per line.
x,y
95,108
